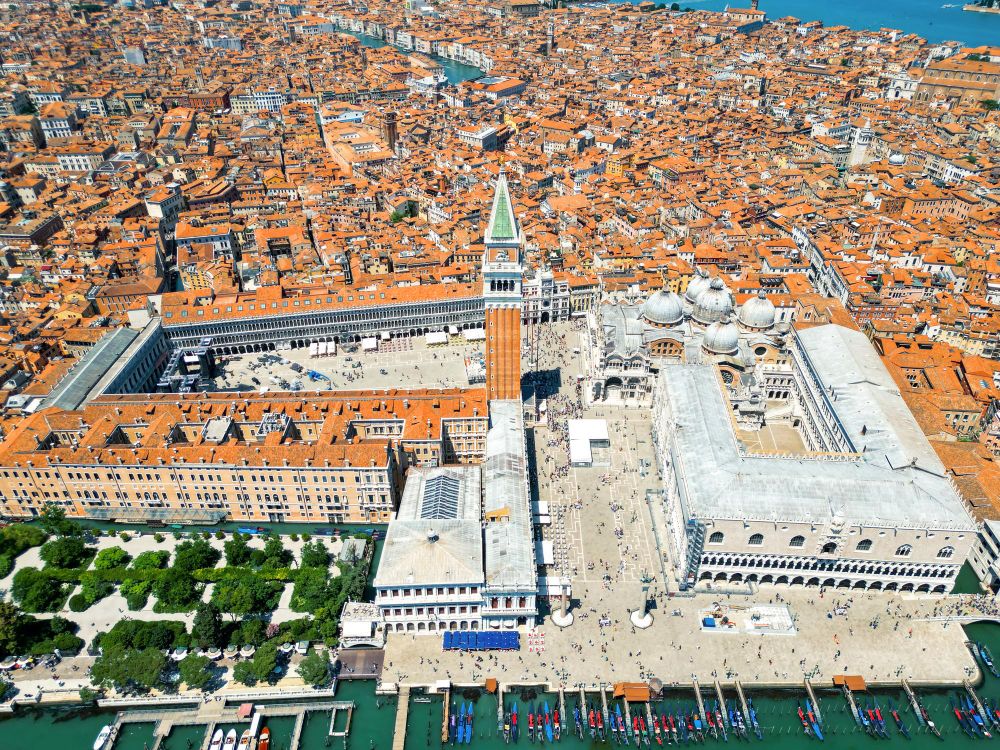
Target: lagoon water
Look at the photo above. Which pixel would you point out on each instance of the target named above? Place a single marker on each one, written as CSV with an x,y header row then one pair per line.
x,y
924,17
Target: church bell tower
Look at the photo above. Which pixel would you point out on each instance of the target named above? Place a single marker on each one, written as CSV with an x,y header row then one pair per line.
x,y
502,297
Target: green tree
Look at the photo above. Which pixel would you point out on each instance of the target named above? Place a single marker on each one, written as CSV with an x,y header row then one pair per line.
x,y
112,557
206,630
177,592
315,555
152,560
275,554
37,590
314,669
195,671
244,673
53,521
194,554
245,595
237,550
11,621
990,105
65,552
18,537
129,670
265,661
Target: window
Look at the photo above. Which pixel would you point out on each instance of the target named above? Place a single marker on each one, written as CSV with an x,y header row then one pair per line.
x,y
797,541
945,553
716,538
829,548
904,551
756,540
864,545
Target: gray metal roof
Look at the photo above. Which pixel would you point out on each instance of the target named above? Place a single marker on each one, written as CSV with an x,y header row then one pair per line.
x,y
73,389
433,542
897,481
510,552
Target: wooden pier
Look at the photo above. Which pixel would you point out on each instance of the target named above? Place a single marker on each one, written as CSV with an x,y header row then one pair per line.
x,y
697,697
604,707
852,704
722,704
446,714
814,702
975,700
562,709
914,703
402,713
333,719
743,702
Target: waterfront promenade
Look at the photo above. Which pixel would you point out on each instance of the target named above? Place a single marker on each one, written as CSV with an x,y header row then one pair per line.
x,y
903,644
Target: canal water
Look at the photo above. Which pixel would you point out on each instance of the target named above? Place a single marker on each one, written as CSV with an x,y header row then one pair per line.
x,y
455,72
373,720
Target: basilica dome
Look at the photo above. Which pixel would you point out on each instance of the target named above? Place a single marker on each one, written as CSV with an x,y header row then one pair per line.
x,y
722,337
713,304
757,313
664,308
696,286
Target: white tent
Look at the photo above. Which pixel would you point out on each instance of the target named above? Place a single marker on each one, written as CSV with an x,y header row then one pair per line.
x,y
474,334
369,344
436,338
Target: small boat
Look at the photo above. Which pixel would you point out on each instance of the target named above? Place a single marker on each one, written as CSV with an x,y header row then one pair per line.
x,y
987,657
460,729
578,722
452,725
230,742
753,720
468,725
805,722
531,726
980,723
903,730
506,728
264,743
644,729
539,725
556,725
720,724
600,725
217,738
513,723
926,718
813,723
592,723
656,730
682,727
548,723
963,721
621,724
244,740
102,737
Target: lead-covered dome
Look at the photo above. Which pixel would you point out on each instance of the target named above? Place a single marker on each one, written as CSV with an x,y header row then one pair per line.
x,y
757,313
664,308
713,304
696,286
722,337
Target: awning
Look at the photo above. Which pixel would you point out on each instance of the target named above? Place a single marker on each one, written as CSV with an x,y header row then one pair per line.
x,y
436,337
369,344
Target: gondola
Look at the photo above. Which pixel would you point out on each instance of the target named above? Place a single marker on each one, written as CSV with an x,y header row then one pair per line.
x,y
592,723
753,720
513,723
987,659
452,725
468,725
600,725
539,724
805,722
460,733
548,722
903,730
656,730
506,728
531,725
622,733
556,725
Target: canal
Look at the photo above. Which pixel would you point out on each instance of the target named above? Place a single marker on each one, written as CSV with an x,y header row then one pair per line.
x,y
455,72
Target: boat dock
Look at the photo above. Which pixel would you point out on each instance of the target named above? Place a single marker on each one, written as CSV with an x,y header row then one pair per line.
x,y
628,716
722,704
649,718
583,705
914,703
500,707
743,701
604,706
333,719
210,715
975,698
852,704
402,713
697,696
562,706
445,712
813,702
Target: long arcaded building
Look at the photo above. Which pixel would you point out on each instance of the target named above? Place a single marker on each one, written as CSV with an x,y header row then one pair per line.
x,y
331,458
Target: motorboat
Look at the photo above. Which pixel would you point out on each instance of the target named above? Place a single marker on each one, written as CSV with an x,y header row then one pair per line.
x,y
230,742
102,737
264,743
217,738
